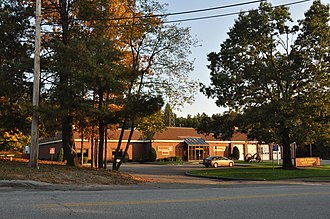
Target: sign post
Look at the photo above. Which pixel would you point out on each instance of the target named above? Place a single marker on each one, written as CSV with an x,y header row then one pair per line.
x,y
275,148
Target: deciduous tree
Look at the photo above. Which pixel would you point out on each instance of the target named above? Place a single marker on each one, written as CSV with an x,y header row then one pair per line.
x,y
276,74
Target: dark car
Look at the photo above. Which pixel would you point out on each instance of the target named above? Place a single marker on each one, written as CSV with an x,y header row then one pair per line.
x,y
215,161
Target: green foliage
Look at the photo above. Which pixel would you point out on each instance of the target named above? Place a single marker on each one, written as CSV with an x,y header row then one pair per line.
x,y
13,140
166,159
126,158
15,66
191,121
92,76
235,155
220,126
169,116
151,124
279,90
85,160
60,156
152,154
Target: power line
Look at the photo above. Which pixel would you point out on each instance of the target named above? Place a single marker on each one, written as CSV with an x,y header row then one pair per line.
x,y
212,16
190,19
182,12
229,14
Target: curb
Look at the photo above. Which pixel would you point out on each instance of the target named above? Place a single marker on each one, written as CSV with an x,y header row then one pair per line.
x,y
225,178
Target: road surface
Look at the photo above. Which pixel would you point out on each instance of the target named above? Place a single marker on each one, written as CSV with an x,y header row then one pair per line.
x,y
236,201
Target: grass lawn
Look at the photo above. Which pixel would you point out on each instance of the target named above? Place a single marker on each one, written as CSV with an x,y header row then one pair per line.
x,y
265,171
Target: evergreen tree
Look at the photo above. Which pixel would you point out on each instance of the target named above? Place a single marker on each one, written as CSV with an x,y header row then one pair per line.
x,y
15,66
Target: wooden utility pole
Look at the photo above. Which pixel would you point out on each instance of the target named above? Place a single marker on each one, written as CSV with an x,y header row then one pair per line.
x,y
34,152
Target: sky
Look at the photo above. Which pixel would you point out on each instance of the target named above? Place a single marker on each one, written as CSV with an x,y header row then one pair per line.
x,y
210,34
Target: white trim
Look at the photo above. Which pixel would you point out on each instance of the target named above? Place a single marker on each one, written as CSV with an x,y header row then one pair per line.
x,y
159,141
219,142
50,142
116,141
79,140
168,141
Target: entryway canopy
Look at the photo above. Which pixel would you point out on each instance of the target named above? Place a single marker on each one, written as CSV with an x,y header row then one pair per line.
x,y
198,149
191,141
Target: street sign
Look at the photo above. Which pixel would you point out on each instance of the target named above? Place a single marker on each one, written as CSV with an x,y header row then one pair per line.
x,y
275,147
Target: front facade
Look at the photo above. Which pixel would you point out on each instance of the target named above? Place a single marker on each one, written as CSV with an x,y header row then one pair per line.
x,y
181,142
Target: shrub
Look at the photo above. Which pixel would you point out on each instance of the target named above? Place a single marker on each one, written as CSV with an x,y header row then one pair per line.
x,y
235,154
60,155
176,158
152,154
85,159
126,158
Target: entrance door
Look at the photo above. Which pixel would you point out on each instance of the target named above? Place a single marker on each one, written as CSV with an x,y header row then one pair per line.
x,y
198,152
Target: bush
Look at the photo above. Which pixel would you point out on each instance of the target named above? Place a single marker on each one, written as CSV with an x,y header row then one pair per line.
x,y
60,156
235,154
176,158
152,154
85,160
126,158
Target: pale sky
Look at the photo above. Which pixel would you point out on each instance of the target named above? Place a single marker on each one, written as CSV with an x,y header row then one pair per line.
x,y
211,33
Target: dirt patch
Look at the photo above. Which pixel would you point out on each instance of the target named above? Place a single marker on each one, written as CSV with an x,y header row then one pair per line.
x,y
59,173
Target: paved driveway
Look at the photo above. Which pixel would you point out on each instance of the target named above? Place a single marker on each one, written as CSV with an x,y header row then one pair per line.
x,y
167,173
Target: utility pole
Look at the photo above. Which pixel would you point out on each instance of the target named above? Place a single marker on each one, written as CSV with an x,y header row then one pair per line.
x,y
34,152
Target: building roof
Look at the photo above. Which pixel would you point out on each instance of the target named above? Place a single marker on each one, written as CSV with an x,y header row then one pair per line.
x,y
174,133
195,141
170,133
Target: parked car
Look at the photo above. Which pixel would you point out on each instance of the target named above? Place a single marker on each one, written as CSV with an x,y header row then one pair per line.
x,y
215,161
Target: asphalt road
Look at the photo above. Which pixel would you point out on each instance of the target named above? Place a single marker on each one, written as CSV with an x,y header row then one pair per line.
x,y
170,194
239,201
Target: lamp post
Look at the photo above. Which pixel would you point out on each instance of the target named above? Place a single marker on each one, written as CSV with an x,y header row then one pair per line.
x,y
34,152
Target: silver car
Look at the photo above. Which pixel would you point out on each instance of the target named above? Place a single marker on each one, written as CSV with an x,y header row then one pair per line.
x,y
215,161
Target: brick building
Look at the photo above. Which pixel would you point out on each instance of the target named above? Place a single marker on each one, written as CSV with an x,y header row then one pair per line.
x,y
174,141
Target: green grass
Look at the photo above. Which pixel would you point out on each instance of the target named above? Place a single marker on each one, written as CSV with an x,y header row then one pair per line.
x,y
262,171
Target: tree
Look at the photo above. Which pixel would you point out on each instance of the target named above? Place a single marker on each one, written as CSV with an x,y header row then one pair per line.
x,y
235,155
220,126
15,66
151,125
191,121
280,89
82,55
158,62
169,116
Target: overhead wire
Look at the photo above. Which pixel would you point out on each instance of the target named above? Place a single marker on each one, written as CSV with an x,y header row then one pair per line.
x,y
190,12
182,12
229,14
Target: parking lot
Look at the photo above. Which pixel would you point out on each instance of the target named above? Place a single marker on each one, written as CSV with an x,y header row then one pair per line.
x,y
166,173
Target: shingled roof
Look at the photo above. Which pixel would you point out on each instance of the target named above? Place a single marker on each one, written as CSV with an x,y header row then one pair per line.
x,y
173,133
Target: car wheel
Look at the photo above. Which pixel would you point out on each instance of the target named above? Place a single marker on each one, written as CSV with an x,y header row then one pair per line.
x,y
231,164
206,165
215,165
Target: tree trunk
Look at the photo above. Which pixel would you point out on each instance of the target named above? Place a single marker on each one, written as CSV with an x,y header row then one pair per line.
x,y
287,161
105,147
70,152
67,131
82,147
126,148
101,144
114,162
101,131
